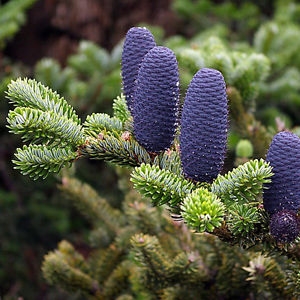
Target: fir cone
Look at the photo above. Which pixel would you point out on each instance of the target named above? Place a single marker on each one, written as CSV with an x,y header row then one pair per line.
x,y
283,192
156,100
138,42
285,226
204,125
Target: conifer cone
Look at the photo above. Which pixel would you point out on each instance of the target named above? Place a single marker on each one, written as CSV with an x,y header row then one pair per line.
x,y
285,226
138,42
204,126
283,192
156,100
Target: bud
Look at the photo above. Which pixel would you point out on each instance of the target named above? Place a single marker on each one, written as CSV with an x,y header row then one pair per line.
x,y
204,125
138,42
244,148
156,100
202,210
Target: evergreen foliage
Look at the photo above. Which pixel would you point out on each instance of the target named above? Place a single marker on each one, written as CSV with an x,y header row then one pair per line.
x,y
138,251
46,120
158,259
161,185
282,86
202,210
89,80
244,183
244,70
100,122
12,17
103,138
120,109
241,17
36,126
32,94
40,160
120,149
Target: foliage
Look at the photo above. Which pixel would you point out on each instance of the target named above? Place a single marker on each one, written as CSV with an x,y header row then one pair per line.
x,y
244,70
136,251
12,16
162,186
202,210
26,207
282,86
244,183
142,253
242,18
107,142
89,80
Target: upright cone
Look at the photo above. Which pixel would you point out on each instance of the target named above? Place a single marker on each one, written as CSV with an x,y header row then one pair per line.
x,y
138,42
283,192
204,126
156,100
282,195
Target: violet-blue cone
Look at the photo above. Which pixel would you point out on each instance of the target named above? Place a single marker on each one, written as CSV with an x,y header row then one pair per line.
x,y
156,100
138,42
204,126
283,192
285,226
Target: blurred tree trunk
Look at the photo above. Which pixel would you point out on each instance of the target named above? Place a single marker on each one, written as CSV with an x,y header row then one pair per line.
x,y
54,27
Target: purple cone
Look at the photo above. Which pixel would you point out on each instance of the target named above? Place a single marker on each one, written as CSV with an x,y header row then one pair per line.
x,y
204,126
138,42
283,192
285,226
156,100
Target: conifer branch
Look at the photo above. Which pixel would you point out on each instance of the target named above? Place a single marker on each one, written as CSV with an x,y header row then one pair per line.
x,y
12,17
202,210
247,222
120,109
268,276
119,149
144,216
104,264
59,269
101,122
188,267
169,160
244,183
161,186
230,277
148,253
40,160
118,281
293,279
88,202
33,94
47,127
